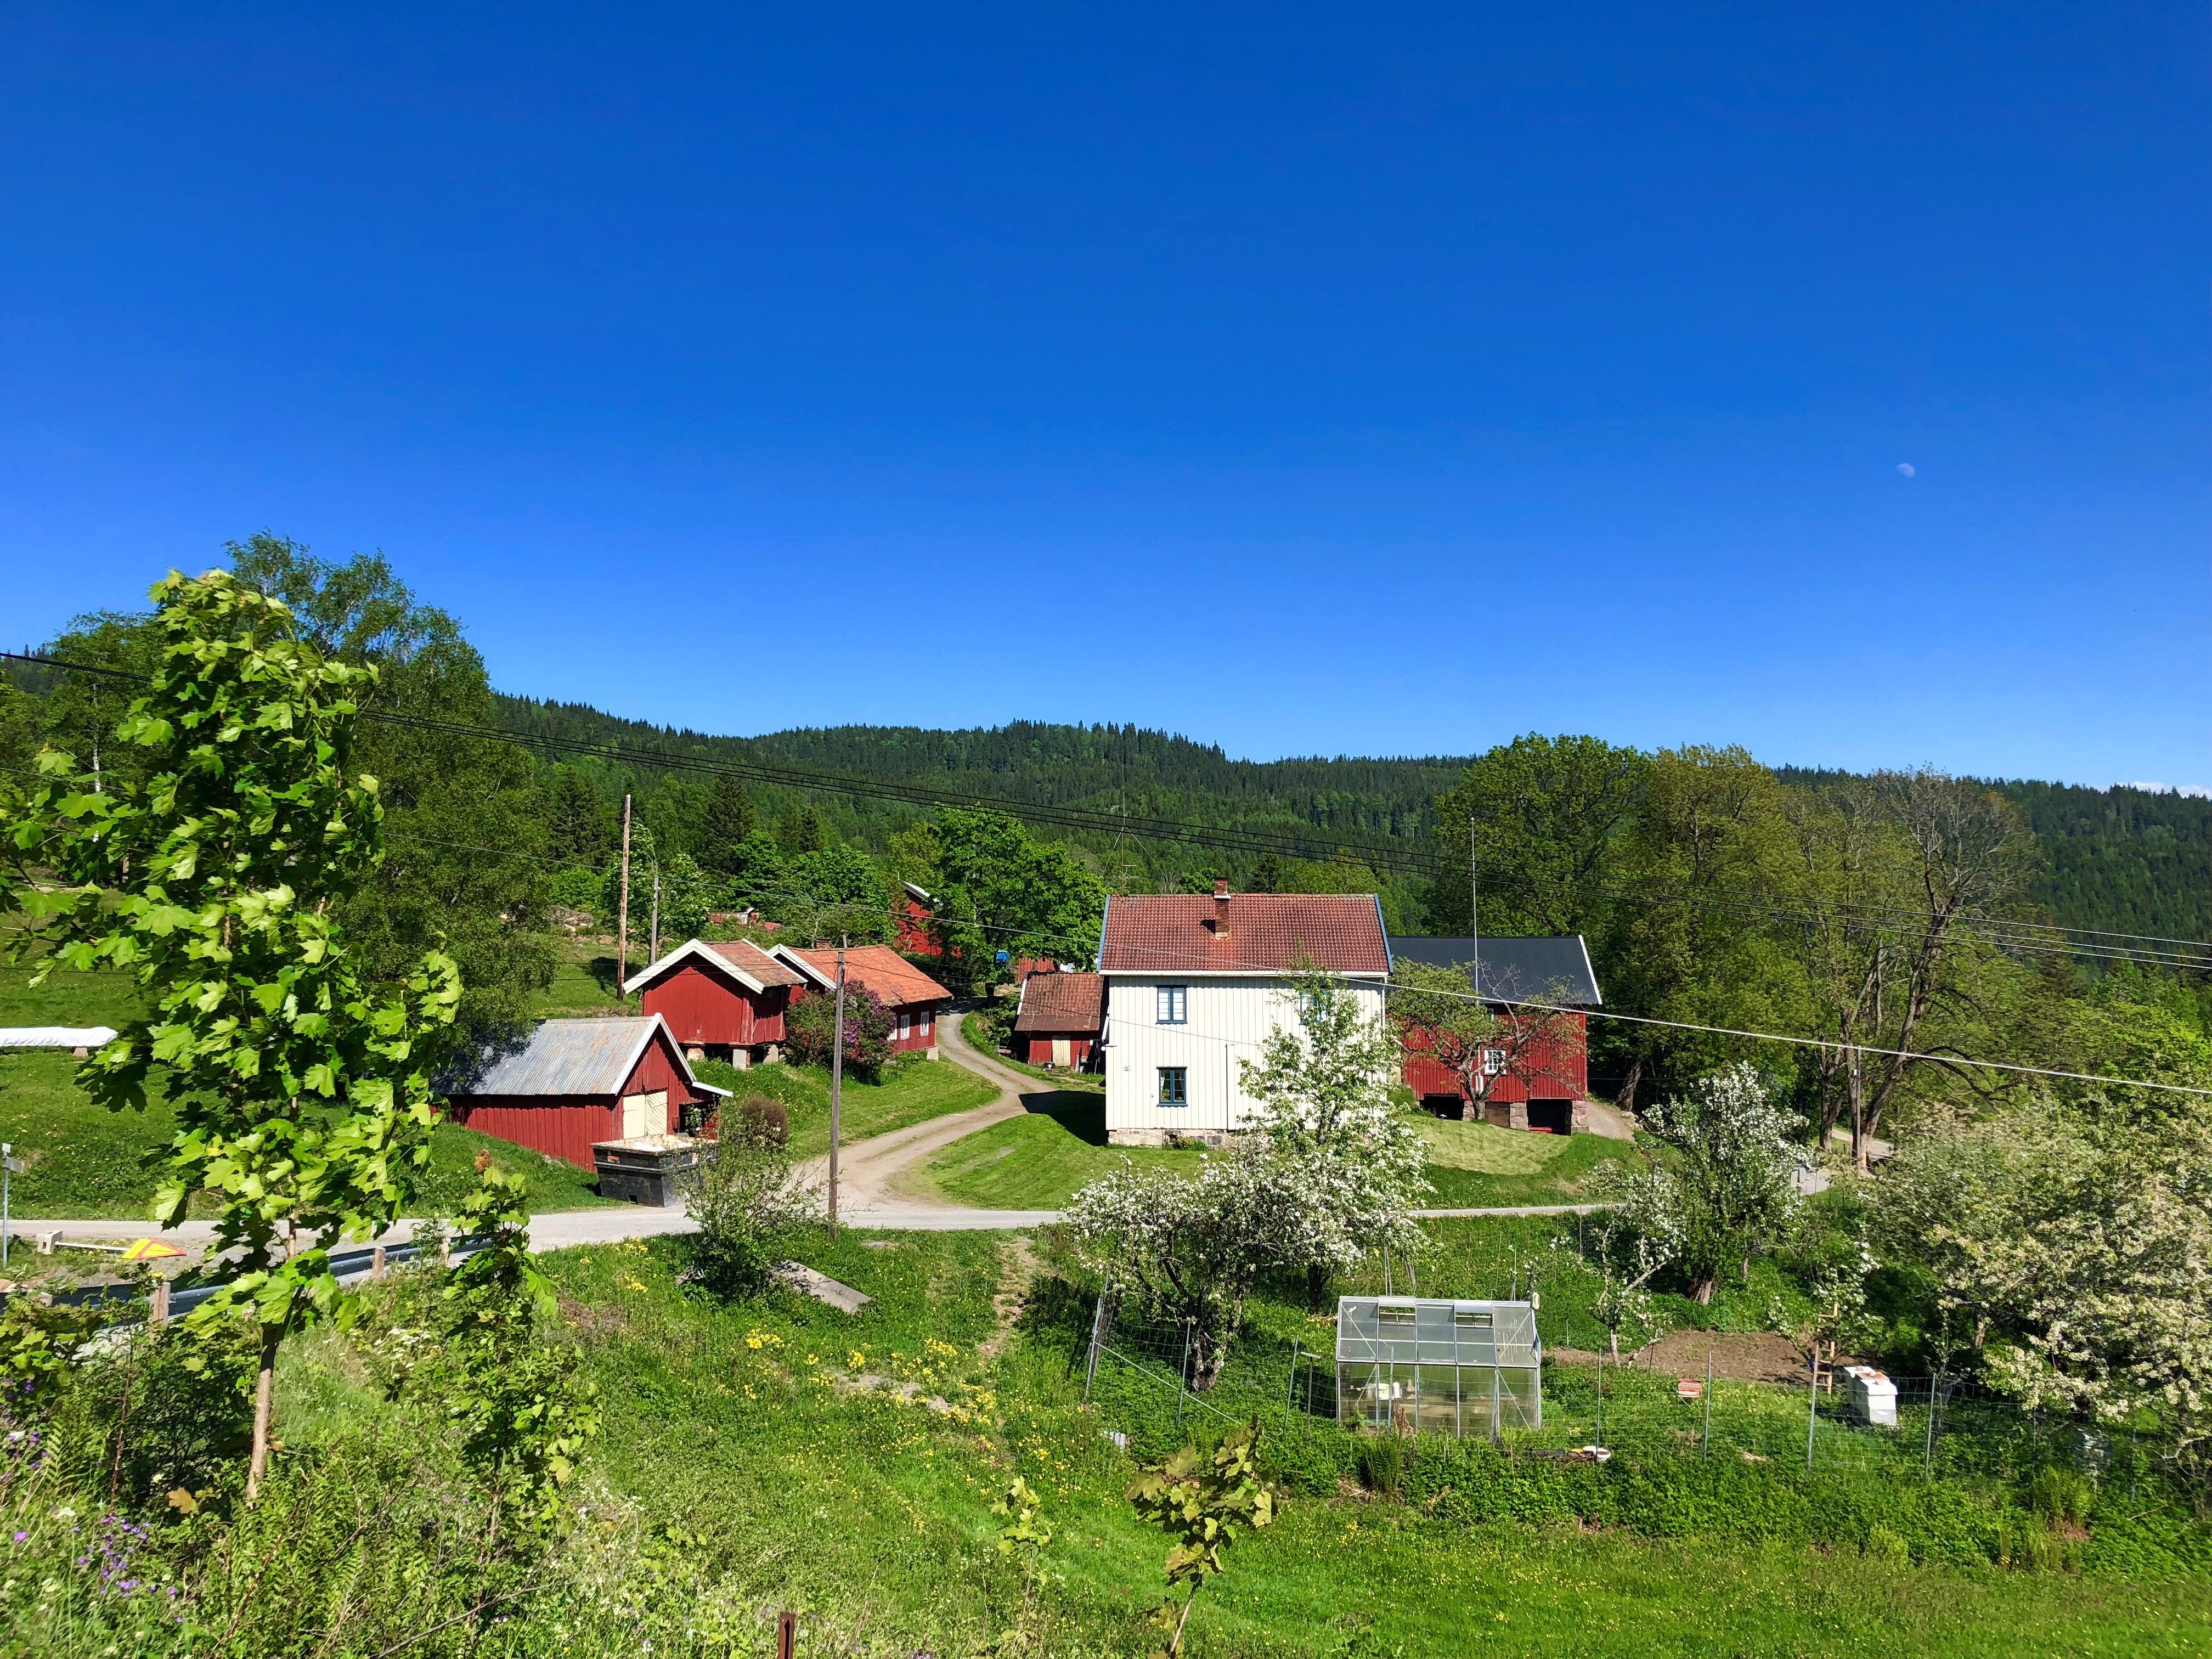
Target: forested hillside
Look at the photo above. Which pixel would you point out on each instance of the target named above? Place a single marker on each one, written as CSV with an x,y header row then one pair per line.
x,y
2123,860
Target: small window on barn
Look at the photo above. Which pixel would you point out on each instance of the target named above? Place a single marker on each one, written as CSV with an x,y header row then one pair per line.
x,y
1175,1085
1174,1005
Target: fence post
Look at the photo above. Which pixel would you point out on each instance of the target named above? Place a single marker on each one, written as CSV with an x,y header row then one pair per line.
x,y
1182,1373
1098,1335
1290,1389
1706,1449
158,1312
1494,1374
376,1264
1935,1394
1812,1404
787,1635
1600,1392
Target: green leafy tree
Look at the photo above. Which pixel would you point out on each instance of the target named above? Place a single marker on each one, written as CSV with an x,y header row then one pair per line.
x,y
1547,815
302,1095
1202,1504
524,1417
1731,1168
746,1202
729,819
1001,889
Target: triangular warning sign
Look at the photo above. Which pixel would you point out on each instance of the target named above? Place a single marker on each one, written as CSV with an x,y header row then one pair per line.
x,y
150,1249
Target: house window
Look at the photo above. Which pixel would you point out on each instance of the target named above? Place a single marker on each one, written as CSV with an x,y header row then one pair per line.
x,y
1175,1085
1175,1004
905,1023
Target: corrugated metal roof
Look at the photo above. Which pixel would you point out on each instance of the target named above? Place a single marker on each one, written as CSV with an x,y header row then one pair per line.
x,y
56,1037
1543,970
567,1057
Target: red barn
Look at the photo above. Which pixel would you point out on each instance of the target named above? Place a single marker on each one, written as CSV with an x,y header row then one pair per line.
x,y
578,1082
913,998
913,913
723,999
1060,1019
1547,1084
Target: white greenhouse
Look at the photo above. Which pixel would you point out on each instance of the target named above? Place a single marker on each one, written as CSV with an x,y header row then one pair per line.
x,y
1409,1363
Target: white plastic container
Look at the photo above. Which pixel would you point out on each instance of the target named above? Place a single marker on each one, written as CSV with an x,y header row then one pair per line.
x,y
1871,1395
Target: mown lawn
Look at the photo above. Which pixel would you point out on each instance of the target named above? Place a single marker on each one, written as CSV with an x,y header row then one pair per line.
x,y
1479,1165
971,1027
85,1163
1036,1161
910,1092
743,1427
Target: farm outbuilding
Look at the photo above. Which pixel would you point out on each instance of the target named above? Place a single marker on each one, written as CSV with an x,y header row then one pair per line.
x,y
579,1082
1545,1085
1059,1018
1409,1363
723,999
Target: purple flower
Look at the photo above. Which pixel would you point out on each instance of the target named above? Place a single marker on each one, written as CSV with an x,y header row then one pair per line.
x,y
21,1536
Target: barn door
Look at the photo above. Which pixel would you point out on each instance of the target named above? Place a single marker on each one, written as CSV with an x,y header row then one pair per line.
x,y
645,1115
1060,1051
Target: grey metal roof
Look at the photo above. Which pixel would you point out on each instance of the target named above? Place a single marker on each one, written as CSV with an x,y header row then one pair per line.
x,y
566,1057
1410,1330
1555,969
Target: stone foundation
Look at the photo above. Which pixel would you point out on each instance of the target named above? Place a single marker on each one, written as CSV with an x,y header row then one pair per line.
x,y
1158,1139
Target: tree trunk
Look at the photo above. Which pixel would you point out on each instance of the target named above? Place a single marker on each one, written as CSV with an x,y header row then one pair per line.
x,y
264,1388
1316,1286
1624,1098
1703,1293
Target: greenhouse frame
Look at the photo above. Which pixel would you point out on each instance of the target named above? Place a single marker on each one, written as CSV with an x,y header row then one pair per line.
x,y
1412,1364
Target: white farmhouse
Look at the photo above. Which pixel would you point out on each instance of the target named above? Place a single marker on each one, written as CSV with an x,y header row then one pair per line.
x,y
1196,983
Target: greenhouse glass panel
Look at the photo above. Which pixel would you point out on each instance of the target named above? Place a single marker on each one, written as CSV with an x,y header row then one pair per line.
x,y
1411,1363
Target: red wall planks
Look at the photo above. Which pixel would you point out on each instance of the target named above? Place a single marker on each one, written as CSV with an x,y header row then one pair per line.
x,y
703,1005
567,1126
1556,1072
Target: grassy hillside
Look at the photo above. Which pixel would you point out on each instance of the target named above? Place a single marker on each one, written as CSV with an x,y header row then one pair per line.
x,y
912,1092
776,1453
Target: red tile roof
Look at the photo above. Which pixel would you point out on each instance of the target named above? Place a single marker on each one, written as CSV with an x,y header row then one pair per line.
x,y
749,958
882,970
1176,933
1062,1002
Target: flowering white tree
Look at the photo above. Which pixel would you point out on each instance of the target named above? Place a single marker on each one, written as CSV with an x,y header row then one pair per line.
x,y
1626,1250
1194,1246
1734,1158
2082,1253
1327,1119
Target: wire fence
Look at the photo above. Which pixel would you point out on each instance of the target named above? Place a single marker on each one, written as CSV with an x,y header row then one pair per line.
x,y
1141,1372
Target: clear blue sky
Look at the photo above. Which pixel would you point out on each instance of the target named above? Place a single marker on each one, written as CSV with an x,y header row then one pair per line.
x,y
1306,379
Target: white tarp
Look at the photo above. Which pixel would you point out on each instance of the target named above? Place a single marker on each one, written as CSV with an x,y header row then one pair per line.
x,y
55,1036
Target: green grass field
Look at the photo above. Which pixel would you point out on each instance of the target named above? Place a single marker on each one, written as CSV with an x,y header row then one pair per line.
x,y
739,1425
971,1027
1036,1161
911,1092
1477,1165
85,1163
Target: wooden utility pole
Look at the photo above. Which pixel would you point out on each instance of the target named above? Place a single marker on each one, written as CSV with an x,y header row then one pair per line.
x,y
836,1083
622,912
1474,904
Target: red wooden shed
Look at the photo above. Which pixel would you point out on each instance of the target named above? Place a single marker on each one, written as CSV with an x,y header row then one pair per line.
x,y
913,917
1059,1017
723,999
913,998
1547,1084
578,1082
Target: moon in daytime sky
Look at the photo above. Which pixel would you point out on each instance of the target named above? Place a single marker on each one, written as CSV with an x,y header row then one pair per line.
x,y
1904,468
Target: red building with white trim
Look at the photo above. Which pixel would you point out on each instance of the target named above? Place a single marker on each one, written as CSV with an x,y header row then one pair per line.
x,y
723,999
1547,1081
913,998
580,1082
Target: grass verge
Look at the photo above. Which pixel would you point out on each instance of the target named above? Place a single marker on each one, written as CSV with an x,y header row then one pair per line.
x,y
910,1092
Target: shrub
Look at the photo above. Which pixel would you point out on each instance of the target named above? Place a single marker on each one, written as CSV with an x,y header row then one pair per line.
x,y
1382,1464
745,1200
762,1120
2060,1495
1883,1545
808,1028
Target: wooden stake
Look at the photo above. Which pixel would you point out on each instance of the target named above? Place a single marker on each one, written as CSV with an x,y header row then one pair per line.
x,y
786,1634
622,914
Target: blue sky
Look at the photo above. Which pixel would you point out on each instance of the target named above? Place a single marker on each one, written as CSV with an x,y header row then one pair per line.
x,y
1306,379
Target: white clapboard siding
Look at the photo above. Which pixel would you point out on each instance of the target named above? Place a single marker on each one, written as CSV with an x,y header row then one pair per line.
x,y
1229,1017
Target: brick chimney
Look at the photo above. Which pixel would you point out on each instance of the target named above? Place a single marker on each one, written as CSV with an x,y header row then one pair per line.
x,y
1220,922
